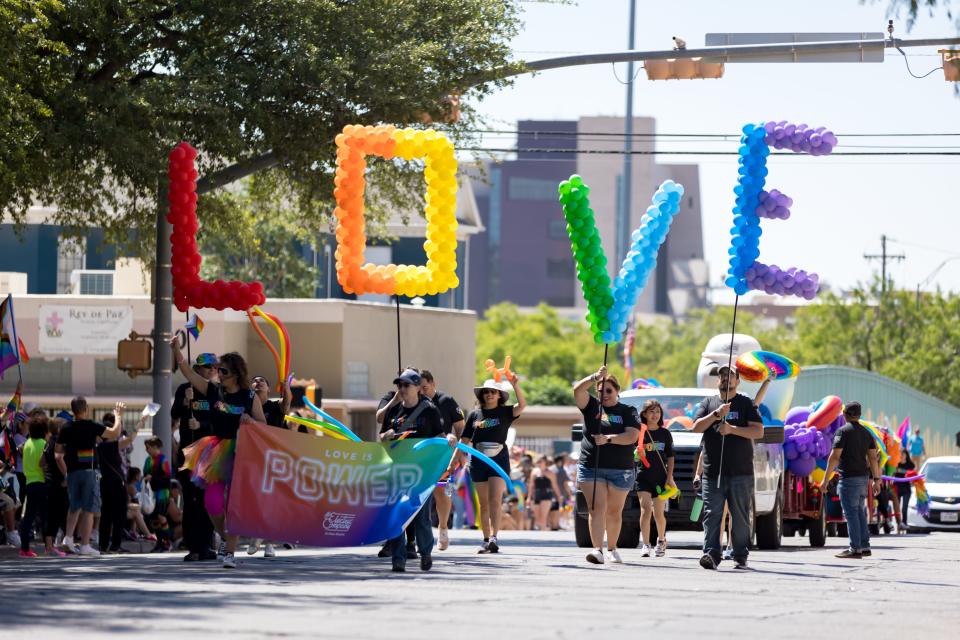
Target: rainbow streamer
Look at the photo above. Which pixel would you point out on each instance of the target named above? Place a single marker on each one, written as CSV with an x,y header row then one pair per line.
x,y
875,432
331,420
323,427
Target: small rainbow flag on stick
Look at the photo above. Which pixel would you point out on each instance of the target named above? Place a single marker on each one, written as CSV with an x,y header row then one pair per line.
x,y
194,326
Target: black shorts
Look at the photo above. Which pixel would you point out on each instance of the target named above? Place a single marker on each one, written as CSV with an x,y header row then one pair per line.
x,y
543,496
649,484
481,471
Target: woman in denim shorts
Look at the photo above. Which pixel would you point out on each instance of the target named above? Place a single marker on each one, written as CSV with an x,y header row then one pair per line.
x,y
606,472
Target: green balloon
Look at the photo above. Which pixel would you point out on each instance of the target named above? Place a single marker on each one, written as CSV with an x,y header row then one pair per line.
x,y
576,180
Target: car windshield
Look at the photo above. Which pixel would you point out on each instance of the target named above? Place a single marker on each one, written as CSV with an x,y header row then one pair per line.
x,y
678,411
948,472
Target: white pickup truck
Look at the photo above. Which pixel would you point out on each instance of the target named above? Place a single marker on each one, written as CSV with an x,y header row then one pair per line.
x,y
679,405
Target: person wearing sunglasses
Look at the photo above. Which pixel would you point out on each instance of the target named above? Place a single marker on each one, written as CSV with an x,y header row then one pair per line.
x,y
606,471
191,418
274,410
210,459
413,417
486,428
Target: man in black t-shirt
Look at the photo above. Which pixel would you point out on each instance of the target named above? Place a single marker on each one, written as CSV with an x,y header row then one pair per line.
x,y
854,457
729,422
273,410
75,455
191,417
410,415
452,416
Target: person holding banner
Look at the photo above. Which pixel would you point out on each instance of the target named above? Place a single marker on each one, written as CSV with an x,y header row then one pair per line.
x,y
606,471
452,416
413,416
486,428
210,459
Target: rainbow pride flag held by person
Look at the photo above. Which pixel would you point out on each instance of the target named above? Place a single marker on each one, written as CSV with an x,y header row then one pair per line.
x,y
12,351
194,326
294,487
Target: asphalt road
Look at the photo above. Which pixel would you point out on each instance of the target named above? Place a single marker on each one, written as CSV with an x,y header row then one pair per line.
x,y
538,587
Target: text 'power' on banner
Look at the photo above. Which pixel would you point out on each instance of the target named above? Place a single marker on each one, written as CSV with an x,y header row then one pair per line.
x,y
295,487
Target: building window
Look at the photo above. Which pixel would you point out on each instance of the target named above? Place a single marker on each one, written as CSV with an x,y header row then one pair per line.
x,y
531,189
560,268
557,229
96,283
71,255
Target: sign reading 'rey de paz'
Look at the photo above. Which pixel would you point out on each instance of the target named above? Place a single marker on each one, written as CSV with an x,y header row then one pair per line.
x,y
83,330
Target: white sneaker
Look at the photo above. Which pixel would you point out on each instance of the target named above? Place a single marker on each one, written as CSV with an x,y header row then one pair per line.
x,y
595,557
229,562
444,540
613,555
13,538
87,550
645,551
661,549
728,553
94,537
69,545
268,551
253,547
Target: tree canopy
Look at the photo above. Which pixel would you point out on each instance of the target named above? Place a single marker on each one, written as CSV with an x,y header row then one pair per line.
x,y
96,92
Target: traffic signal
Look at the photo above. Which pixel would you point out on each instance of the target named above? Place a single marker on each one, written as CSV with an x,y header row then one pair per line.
x,y
682,69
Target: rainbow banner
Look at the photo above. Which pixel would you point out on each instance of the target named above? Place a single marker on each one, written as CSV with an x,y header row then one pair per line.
x,y
295,487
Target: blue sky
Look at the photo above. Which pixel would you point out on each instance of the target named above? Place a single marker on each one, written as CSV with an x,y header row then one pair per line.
x,y
841,205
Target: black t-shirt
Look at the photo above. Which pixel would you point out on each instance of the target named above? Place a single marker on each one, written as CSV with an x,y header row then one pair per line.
x,y
181,412
273,412
906,464
656,442
856,442
226,409
52,473
737,453
427,423
79,440
111,465
489,425
613,421
450,411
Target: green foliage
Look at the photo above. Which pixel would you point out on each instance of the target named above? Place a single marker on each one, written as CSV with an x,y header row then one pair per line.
x,y
259,243
548,390
94,93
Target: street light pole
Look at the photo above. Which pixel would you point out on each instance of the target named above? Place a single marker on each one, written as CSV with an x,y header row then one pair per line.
x,y
623,214
162,321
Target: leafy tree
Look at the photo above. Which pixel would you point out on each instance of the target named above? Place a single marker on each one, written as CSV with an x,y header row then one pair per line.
x,y
259,243
103,89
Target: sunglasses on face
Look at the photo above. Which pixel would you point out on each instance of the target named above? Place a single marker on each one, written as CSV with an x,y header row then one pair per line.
x,y
609,390
489,391
223,371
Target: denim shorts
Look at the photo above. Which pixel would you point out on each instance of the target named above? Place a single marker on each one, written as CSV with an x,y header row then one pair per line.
x,y
83,488
622,479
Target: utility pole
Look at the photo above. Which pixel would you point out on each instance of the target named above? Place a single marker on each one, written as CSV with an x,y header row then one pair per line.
x,y
162,321
883,257
623,215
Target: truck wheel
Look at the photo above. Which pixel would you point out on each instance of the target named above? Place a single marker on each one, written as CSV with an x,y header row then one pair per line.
x,y
581,523
770,527
789,529
818,529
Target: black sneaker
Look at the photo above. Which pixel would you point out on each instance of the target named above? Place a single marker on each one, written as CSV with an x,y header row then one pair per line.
x,y
412,552
865,553
384,551
426,561
849,553
191,557
208,555
399,567
485,547
707,561
740,564
493,546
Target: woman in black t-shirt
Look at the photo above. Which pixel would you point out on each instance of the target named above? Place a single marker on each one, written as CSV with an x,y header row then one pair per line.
x,y
606,472
486,429
654,475
210,459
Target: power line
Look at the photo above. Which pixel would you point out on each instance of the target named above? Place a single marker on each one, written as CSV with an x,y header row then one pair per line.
x,y
695,153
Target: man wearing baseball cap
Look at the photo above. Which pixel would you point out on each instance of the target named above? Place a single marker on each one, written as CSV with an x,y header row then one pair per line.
x,y
191,419
854,457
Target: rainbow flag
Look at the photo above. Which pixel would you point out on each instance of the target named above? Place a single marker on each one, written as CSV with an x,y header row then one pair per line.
x,y
194,326
903,433
12,351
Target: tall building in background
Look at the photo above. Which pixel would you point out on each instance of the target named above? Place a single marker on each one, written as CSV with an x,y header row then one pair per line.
x,y
523,255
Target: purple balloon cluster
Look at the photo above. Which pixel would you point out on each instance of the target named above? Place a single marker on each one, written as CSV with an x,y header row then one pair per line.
x,y
772,279
800,138
803,445
774,205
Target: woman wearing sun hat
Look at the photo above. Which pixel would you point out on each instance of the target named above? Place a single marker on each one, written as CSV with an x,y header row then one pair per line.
x,y
486,429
